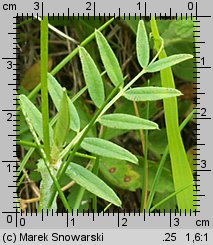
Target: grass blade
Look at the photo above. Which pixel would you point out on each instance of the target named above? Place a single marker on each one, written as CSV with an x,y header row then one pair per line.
x,y
44,89
170,196
181,171
162,162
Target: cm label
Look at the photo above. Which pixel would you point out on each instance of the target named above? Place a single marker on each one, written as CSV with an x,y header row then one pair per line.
x,y
9,6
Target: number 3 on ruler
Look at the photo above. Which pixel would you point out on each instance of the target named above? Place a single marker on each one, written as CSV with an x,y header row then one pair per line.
x,y
36,4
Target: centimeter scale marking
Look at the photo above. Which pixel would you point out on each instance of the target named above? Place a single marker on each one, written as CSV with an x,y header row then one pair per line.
x,y
91,7
120,218
12,115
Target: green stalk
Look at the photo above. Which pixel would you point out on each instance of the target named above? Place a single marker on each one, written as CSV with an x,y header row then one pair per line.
x,y
181,171
81,191
44,88
27,143
25,160
79,198
145,166
170,196
95,170
45,105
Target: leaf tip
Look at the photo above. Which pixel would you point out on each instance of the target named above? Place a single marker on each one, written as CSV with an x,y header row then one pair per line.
x,y
157,127
178,92
135,160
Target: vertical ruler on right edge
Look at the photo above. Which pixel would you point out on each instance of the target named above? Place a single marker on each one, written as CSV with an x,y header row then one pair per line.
x,y
203,102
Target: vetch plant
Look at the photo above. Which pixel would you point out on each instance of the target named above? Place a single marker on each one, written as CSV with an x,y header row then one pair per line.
x,y
51,138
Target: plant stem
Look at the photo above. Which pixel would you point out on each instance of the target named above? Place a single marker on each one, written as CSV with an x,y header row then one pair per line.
x,y
95,170
45,105
170,196
145,166
44,89
121,93
81,191
79,198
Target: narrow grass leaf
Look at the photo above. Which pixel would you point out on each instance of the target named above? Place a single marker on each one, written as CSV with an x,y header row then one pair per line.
x,y
169,197
44,89
45,187
142,45
109,59
92,77
34,115
150,93
156,180
63,122
56,93
92,183
125,121
168,62
105,148
181,171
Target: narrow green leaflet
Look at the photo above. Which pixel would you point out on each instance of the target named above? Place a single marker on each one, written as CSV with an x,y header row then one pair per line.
x,y
34,116
63,122
168,62
46,187
92,183
142,45
56,93
125,121
150,93
106,148
92,77
109,59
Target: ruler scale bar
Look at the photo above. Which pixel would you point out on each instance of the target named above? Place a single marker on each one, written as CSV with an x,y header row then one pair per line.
x,y
121,223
